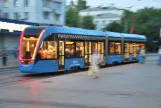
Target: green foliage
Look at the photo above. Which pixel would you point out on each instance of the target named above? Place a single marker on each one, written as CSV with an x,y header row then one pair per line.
x,y
72,17
81,4
87,22
147,22
114,26
74,20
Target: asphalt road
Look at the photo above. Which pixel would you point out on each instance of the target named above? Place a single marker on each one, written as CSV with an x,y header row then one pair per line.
x,y
125,86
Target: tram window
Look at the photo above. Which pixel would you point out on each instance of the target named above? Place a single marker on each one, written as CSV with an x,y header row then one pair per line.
x,y
48,50
100,47
127,46
28,47
94,46
79,49
137,48
69,49
112,48
131,48
142,45
117,48
87,47
61,48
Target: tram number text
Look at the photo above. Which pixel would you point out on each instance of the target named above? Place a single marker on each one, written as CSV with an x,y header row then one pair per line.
x,y
75,61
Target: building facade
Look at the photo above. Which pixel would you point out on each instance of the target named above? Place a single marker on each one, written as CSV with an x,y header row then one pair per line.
x,y
103,16
36,11
10,32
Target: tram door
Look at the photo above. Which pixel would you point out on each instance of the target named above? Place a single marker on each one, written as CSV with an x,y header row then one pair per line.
x,y
87,56
127,50
61,55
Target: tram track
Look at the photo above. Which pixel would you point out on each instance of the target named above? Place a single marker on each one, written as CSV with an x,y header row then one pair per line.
x,y
8,70
19,78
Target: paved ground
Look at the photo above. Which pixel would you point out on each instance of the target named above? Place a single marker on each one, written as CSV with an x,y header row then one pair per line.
x,y
126,86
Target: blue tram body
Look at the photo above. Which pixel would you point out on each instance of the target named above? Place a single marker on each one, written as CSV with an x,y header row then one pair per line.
x,y
51,48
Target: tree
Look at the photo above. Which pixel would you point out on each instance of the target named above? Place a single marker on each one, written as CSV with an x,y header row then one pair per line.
x,y
147,22
87,22
72,4
81,4
114,27
72,17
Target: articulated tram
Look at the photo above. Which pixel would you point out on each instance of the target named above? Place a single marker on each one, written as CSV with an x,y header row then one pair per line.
x,y
52,48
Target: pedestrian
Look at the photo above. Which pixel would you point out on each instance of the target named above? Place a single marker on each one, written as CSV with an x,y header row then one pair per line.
x,y
95,64
4,57
142,56
159,53
15,53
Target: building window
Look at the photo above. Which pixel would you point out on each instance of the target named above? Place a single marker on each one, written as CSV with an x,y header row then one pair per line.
x,y
46,3
5,15
5,3
17,16
46,15
57,17
57,5
15,3
26,3
26,15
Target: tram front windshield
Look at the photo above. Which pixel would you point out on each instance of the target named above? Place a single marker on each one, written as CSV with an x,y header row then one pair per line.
x,y
29,42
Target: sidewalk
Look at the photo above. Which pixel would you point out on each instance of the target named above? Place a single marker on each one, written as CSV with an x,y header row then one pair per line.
x,y
152,57
11,63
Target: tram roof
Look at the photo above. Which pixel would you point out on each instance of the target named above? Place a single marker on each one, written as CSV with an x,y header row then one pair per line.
x,y
134,36
114,34
71,30
80,31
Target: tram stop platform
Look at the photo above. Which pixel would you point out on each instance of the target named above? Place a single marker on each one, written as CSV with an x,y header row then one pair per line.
x,y
125,86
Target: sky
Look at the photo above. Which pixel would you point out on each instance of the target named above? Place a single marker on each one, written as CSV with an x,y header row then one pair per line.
x,y
125,4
